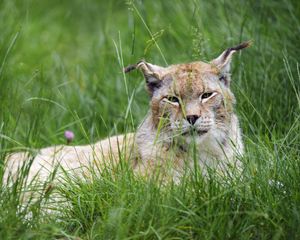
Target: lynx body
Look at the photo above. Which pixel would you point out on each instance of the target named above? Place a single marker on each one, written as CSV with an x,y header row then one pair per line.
x,y
191,117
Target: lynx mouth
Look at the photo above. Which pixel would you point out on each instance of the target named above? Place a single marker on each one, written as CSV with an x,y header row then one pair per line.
x,y
202,132
194,131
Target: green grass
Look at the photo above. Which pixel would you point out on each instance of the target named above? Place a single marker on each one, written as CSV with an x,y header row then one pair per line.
x,y
61,68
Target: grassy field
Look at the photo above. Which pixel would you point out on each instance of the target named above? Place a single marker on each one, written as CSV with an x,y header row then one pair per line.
x,y
61,69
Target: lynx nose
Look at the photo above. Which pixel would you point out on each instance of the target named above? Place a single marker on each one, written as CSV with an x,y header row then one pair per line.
x,y
192,119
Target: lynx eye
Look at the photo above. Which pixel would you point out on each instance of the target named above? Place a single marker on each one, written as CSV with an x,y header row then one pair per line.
x,y
172,99
206,95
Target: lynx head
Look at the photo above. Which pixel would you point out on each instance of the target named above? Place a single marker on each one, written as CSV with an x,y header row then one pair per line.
x,y
191,99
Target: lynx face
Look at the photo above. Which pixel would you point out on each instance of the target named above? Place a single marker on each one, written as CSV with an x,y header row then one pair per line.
x,y
192,101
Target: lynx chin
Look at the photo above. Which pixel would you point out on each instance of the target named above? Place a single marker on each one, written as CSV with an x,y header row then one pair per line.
x,y
191,117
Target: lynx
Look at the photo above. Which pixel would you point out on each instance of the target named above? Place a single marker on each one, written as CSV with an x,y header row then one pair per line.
x,y
191,117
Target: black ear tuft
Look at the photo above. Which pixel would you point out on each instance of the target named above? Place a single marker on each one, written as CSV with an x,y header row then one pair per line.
x,y
129,68
222,62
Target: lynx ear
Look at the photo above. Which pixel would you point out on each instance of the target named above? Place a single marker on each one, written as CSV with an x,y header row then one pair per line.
x,y
152,73
223,61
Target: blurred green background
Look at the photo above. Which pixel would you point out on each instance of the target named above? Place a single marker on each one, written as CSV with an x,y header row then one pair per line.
x,y
61,69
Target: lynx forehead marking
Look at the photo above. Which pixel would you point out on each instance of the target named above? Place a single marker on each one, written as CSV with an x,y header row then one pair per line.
x,y
188,79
